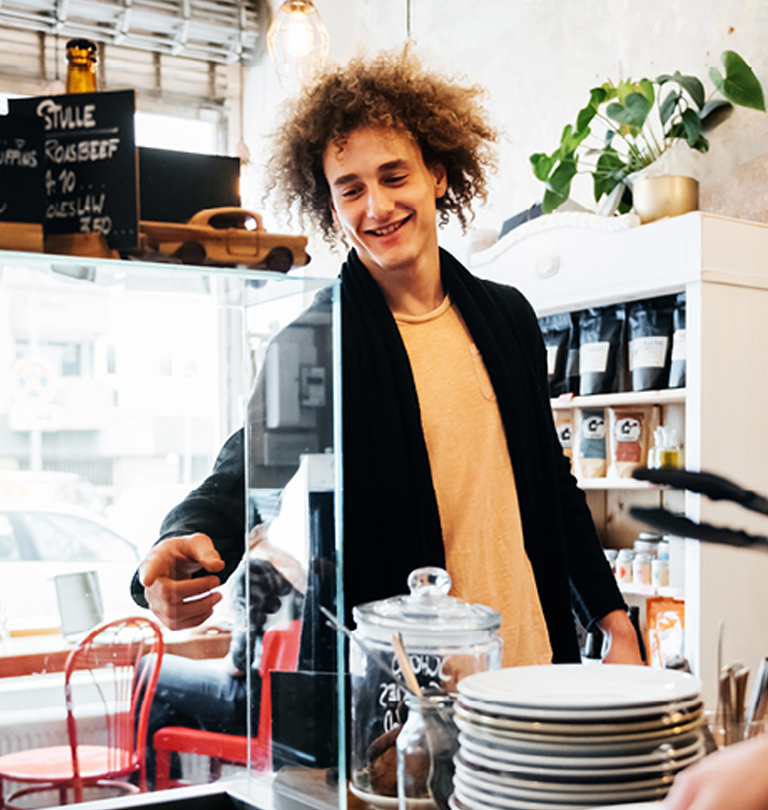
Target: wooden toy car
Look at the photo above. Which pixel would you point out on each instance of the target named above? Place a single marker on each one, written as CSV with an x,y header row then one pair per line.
x,y
224,236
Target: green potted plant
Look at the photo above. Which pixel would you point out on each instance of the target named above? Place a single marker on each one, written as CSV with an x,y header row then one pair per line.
x,y
639,122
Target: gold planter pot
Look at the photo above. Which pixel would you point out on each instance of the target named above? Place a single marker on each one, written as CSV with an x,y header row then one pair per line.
x,y
664,196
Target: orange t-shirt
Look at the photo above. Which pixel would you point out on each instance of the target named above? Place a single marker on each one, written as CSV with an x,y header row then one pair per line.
x,y
473,480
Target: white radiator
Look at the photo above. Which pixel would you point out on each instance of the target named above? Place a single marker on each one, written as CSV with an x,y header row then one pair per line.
x,y
32,714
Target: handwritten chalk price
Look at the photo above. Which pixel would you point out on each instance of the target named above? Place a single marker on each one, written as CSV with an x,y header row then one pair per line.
x,y
90,171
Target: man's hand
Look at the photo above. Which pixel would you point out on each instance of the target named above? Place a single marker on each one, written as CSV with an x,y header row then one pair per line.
x,y
178,600
622,639
733,777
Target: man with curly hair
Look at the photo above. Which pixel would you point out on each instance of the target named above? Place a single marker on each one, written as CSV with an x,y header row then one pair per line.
x,y
450,454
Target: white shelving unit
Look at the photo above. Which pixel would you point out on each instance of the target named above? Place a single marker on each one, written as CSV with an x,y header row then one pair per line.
x,y
569,262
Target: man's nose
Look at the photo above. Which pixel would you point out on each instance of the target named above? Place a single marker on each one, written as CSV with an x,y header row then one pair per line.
x,y
379,203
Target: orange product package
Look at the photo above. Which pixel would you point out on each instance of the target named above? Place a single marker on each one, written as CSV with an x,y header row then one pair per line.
x,y
665,620
629,434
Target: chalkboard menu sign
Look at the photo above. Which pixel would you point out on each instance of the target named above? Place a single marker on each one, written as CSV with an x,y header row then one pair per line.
x,y
175,185
89,163
21,169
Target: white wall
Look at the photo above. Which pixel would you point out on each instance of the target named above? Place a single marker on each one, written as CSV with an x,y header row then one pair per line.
x,y
538,59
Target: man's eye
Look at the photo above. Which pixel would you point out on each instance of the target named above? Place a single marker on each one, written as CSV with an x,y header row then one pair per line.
x,y
396,178
350,193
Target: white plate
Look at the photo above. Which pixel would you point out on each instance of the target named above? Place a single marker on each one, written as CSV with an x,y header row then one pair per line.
x,y
558,774
493,736
467,794
387,802
499,749
666,753
682,715
572,687
477,780
554,793
616,715
456,804
493,783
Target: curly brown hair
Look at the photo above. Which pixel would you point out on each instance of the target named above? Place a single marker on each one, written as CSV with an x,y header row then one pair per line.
x,y
392,91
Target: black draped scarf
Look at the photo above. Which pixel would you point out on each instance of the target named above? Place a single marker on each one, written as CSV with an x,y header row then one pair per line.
x,y
391,519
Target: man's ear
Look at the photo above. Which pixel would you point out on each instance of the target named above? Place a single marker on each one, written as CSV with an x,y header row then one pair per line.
x,y
441,180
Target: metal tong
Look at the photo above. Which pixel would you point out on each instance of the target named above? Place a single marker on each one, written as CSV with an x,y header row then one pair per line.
x,y
732,684
716,488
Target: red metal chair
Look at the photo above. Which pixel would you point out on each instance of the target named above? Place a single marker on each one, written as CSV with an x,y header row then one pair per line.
x,y
107,662
280,653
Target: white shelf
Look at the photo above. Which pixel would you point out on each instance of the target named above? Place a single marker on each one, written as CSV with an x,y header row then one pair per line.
x,y
614,483
650,591
669,396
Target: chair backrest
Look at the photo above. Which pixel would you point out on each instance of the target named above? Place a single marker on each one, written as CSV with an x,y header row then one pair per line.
x,y
120,664
279,653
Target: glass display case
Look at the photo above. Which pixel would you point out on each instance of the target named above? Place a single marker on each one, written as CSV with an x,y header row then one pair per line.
x,y
125,384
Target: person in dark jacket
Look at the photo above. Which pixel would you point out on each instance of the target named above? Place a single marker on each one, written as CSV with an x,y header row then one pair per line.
x,y
450,454
216,695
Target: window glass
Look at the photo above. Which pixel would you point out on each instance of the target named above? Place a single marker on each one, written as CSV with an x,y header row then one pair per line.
x,y
170,132
70,538
9,546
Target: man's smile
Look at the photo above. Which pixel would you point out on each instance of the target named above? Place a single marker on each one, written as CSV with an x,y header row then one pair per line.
x,y
388,229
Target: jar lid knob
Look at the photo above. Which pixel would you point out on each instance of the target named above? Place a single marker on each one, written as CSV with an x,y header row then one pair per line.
x,y
429,582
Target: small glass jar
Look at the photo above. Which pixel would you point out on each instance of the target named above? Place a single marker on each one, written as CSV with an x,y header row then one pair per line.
x,y
647,543
641,569
612,554
425,748
660,573
624,565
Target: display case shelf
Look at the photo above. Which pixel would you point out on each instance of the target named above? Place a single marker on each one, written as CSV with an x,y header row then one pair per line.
x,y
122,380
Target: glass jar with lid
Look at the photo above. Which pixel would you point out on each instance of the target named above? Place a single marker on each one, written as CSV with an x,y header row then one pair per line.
x,y
624,565
647,543
445,638
641,568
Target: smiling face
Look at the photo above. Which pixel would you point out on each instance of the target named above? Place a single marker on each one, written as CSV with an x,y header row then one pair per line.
x,y
383,197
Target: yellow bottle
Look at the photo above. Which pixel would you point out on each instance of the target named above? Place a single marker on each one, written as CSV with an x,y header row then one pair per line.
x,y
81,66
666,449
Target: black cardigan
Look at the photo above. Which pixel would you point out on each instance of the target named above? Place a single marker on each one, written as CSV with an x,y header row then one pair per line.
x,y
391,521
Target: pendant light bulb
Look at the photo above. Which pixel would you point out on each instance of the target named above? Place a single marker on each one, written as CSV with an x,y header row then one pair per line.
x,y
298,42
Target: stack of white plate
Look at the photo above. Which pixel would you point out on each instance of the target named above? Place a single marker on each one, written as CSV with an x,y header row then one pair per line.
x,y
568,736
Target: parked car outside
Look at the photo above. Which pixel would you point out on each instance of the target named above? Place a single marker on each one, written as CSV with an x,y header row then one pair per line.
x,y
39,540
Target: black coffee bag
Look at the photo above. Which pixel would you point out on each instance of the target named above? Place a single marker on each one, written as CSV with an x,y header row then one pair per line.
x,y
556,332
649,335
602,336
677,365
